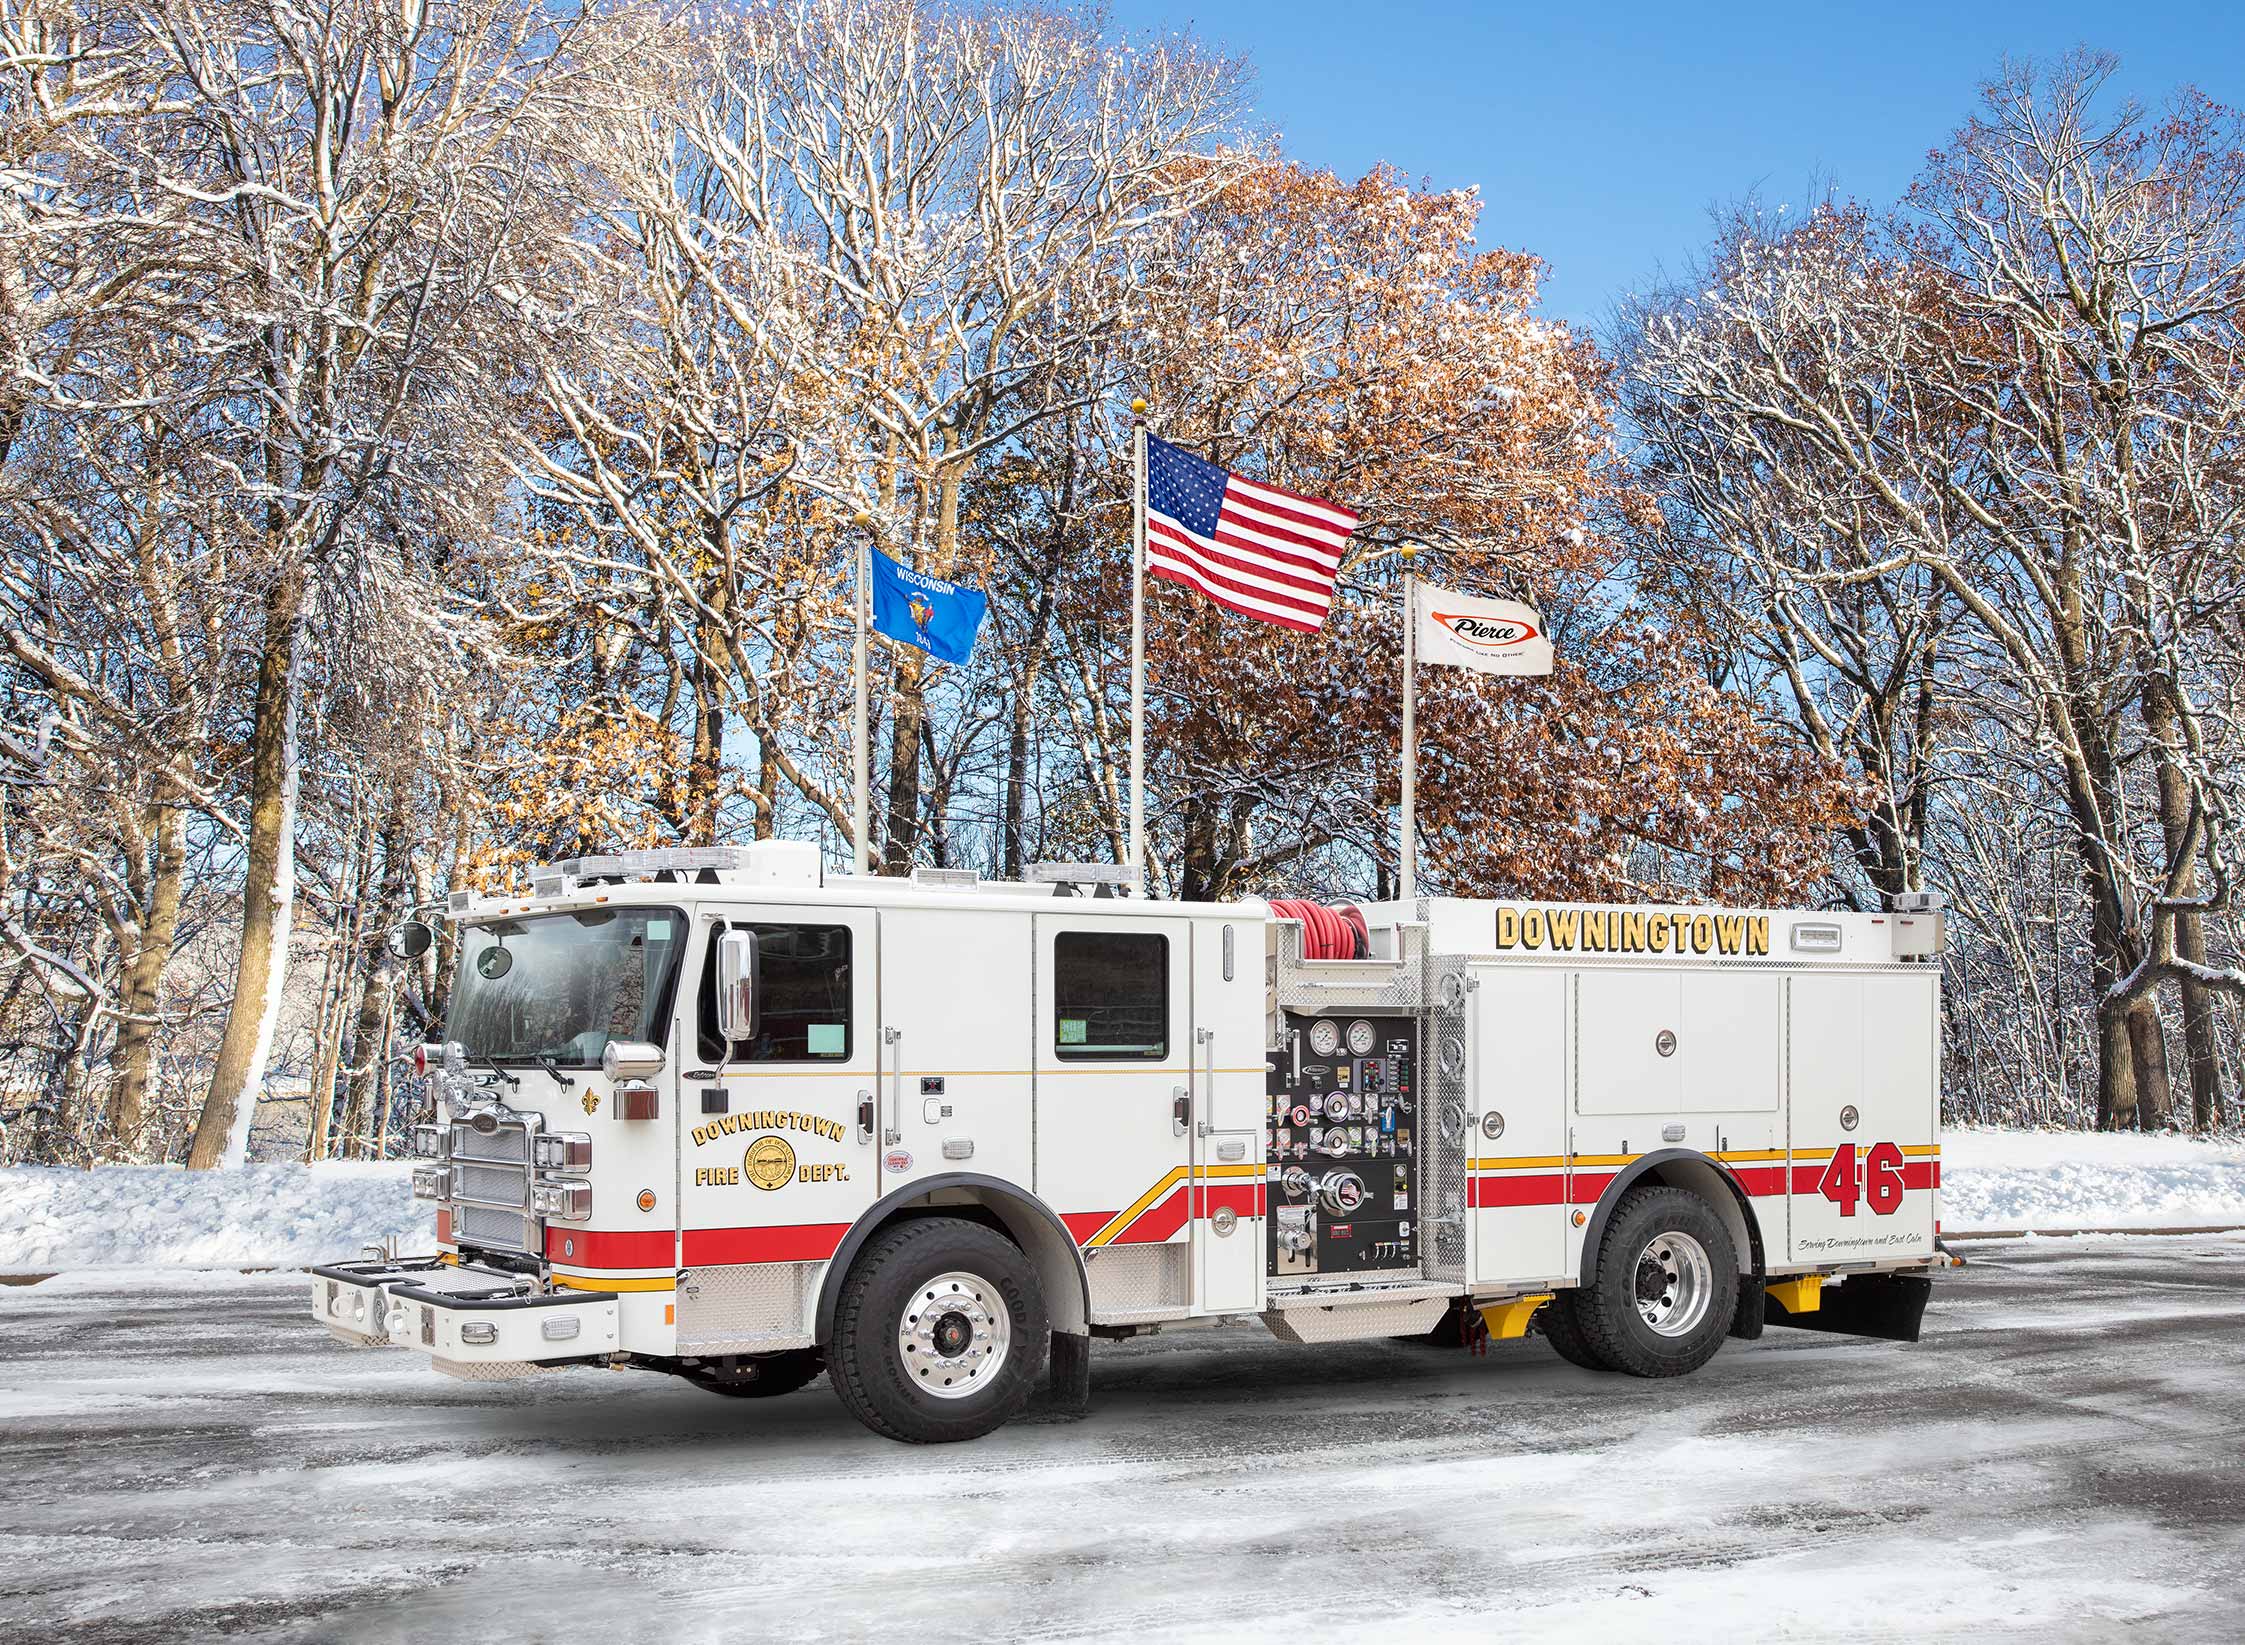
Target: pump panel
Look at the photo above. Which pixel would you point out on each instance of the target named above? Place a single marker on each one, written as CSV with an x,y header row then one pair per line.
x,y
1342,1166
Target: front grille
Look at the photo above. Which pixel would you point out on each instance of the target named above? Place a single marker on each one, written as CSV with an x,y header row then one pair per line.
x,y
495,1229
491,1184
491,1188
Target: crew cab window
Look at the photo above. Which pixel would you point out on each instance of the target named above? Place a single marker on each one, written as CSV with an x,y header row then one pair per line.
x,y
1110,996
802,996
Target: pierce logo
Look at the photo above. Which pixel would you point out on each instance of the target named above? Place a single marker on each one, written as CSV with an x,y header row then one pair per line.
x,y
1487,633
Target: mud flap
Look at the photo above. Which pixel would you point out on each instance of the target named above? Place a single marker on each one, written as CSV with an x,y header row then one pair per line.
x,y
1067,1389
1746,1322
1889,1306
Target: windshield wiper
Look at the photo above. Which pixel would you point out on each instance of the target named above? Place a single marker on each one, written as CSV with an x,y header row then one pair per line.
x,y
554,1068
492,1063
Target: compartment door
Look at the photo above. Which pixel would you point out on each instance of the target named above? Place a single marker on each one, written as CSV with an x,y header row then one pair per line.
x,y
1516,1168
1861,1115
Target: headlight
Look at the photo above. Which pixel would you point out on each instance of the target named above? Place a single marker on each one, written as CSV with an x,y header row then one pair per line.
x,y
429,1141
431,1181
571,1201
563,1151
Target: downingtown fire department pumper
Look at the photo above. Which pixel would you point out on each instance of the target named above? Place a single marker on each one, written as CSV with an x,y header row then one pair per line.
x,y
712,1112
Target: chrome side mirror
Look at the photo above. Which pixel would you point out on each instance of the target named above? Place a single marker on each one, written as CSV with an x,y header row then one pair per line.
x,y
631,1060
736,986
410,940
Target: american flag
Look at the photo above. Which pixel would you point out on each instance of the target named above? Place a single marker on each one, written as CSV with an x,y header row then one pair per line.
x,y
1251,548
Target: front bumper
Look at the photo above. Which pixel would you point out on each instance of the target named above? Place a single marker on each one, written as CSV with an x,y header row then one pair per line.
x,y
471,1320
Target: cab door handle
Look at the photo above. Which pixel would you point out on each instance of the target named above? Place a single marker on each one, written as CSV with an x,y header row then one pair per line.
x,y
1181,1110
865,1116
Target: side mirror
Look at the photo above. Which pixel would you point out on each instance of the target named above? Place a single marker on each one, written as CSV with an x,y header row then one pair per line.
x,y
410,940
631,1060
736,986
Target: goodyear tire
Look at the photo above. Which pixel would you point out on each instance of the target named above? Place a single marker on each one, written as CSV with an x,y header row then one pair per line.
x,y
1666,1285
940,1332
1562,1328
760,1376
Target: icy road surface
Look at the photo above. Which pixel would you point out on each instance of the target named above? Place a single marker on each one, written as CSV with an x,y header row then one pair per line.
x,y
2060,1459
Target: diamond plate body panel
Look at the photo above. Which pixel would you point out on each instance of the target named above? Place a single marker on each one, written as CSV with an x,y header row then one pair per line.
x,y
1136,1280
748,1307
1354,1322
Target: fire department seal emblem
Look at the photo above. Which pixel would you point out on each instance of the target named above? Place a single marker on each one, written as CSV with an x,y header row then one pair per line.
x,y
769,1162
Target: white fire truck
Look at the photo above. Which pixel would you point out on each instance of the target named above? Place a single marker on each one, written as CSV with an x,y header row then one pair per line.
x,y
712,1112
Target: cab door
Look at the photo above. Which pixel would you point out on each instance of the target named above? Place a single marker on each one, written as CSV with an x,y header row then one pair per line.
x,y
1115,1055
954,1095
777,1154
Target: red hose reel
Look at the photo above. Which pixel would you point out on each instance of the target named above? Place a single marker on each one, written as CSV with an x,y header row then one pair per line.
x,y
1327,933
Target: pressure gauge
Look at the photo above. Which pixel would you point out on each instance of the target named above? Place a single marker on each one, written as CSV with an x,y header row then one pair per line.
x,y
1362,1038
1325,1037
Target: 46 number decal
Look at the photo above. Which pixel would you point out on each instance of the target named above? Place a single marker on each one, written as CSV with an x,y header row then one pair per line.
x,y
1879,1186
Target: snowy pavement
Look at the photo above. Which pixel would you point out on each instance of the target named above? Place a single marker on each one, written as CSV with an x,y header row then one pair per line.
x,y
2057,1461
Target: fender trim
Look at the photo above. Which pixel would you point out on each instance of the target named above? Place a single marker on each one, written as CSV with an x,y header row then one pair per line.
x,y
1628,1177
838,1265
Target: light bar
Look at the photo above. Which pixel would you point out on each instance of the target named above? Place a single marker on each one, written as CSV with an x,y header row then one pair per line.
x,y
1078,873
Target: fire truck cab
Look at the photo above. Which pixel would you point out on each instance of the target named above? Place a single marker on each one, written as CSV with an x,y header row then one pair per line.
x,y
714,1112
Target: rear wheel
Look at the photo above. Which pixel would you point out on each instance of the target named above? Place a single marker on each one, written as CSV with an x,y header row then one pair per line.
x,y
940,1333
1666,1285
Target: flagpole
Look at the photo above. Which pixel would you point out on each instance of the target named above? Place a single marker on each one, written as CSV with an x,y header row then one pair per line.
x,y
1409,854
860,779
1138,644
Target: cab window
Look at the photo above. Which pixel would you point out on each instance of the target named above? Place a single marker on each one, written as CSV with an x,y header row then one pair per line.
x,y
1110,996
803,992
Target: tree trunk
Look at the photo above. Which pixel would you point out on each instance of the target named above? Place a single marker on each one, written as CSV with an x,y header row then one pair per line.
x,y
133,1059
2147,1045
268,889
2201,1034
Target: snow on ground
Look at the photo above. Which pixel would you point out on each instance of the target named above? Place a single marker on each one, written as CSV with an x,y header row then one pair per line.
x,y
2053,1463
2089,1179
260,1216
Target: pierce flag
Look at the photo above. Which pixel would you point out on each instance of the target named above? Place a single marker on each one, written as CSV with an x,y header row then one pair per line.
x,y
939,617
1493,636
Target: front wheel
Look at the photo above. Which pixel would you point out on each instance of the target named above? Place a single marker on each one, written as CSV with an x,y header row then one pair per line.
x,y
1666,1285
940,1332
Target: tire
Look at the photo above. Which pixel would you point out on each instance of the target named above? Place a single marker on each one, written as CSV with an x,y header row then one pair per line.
x,y
1562,1328
940,1332
760,1376
1666,1285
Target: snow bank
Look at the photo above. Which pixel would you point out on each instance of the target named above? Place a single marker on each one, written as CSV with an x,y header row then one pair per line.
x,y
257,1216
2087,1179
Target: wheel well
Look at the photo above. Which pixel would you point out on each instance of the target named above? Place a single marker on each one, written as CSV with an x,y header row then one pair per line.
x,y
1695,1174
996,1205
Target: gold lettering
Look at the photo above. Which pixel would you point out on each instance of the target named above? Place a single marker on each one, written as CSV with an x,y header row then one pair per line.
x,y
1703,933
1656,934
1508,927
1730,930
1679,932
1633,933
1566,927
1757,934
1531,928
1594,931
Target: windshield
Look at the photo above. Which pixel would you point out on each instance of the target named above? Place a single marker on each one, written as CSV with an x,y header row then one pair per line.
x,y
559,987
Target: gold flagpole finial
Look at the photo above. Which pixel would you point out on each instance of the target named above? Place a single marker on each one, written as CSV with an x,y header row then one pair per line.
x,y
1409,551
1138,408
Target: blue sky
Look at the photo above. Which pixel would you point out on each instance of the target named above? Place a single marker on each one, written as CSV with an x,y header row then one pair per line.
x,y
1599,136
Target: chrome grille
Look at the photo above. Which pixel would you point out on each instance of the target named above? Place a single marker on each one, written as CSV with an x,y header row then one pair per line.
x,y
491,1184
488,1226
491,1188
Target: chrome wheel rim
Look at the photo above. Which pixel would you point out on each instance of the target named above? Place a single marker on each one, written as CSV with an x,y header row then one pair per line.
x,y
1675,1284
954,1335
